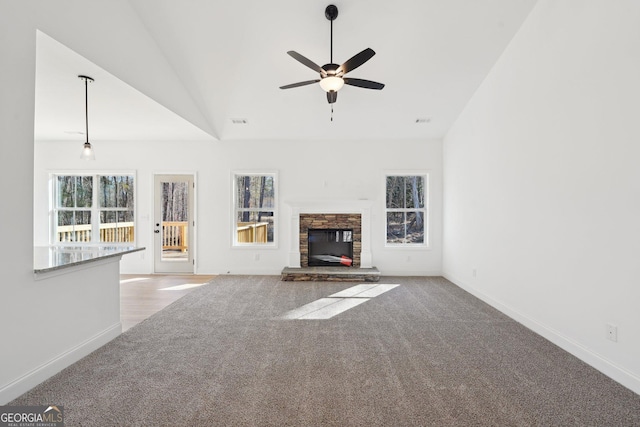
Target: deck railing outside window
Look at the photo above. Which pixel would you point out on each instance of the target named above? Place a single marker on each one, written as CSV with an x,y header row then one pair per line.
x,y
174,233
109,233
252,232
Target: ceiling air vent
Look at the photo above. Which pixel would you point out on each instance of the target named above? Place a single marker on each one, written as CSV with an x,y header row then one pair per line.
x,y
239,121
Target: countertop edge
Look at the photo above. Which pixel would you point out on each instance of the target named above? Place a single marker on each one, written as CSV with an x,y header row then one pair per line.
x,y
116,253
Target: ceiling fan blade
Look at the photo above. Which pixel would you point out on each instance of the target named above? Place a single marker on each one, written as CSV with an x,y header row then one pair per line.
x,y
305,61
308,82
356,61
332,97
367,84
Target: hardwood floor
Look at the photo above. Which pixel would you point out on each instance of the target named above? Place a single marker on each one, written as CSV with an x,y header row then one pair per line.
x,y
142,295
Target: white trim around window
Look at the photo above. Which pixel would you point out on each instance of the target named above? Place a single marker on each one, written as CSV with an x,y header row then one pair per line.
x,y
108,217
254,216
406,222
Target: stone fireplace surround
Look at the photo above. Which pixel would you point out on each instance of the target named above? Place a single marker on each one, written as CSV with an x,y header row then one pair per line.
x,y
317,221
355,214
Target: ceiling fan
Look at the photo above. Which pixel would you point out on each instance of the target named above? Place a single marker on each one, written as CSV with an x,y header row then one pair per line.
x,y
332,76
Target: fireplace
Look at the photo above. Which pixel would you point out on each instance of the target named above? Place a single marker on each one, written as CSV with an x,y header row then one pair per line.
x,y
329,225
352,215
330,247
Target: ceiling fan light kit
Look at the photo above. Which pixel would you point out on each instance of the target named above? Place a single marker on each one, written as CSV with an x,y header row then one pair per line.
x,y
332,76
331,83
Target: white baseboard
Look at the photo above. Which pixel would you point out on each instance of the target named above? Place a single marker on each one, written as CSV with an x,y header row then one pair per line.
x,y
406,273
279,272
251,273
21,385
602,364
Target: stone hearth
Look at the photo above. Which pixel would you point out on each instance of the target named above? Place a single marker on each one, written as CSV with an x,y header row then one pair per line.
x,y
330,274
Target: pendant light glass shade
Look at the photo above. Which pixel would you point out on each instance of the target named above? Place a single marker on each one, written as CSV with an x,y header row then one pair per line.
x,y
87,152
87,149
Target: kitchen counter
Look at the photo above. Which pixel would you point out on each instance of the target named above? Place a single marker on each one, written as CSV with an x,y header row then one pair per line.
x,y
51,258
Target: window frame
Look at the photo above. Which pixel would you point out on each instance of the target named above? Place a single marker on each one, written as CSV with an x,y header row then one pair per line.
x,y
95,208
425,210
235,209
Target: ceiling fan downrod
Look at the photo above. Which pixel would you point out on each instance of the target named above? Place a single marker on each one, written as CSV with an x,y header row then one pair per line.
x,y
331,13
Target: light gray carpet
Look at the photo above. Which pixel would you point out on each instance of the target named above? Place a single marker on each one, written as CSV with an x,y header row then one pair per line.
x,y
425,353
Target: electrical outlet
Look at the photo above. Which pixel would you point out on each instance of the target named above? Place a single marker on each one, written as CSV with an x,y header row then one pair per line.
x,y
612,332
473,272
257,257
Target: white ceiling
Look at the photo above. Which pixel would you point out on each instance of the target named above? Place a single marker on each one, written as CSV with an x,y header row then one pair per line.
x,y
116,110
231,57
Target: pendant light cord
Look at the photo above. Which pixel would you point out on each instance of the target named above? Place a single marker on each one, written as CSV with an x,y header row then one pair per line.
x,y
86,107
86,79
87,151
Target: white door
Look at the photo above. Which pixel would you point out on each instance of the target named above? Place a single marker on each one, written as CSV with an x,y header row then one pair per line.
x,y
173,224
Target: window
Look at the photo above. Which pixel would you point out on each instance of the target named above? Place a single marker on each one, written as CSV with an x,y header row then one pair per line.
x,y
254,212
406,212
93,209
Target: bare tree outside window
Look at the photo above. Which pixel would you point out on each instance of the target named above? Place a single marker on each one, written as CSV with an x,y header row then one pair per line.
x,y
255,208
175,201
93,208
116,208
74,199
405,209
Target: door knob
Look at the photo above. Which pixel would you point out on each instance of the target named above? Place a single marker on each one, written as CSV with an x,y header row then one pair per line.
x,y
156,231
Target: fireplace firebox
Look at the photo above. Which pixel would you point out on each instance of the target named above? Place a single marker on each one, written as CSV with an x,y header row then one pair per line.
x,y
329,221
330,247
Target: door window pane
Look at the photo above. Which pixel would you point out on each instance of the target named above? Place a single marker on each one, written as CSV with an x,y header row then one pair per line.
x,y
175,197
175,217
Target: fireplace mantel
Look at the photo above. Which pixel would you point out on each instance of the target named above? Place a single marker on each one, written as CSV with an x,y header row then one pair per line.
x,y
319,206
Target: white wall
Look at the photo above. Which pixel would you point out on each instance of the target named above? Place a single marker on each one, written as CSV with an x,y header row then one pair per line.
x,y
542,184
326,170
17,47
46,324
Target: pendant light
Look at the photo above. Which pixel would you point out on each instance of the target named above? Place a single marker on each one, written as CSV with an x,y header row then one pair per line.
x,y
87,150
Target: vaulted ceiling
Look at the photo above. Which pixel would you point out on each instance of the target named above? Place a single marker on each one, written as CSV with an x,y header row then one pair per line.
x,y
231,58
